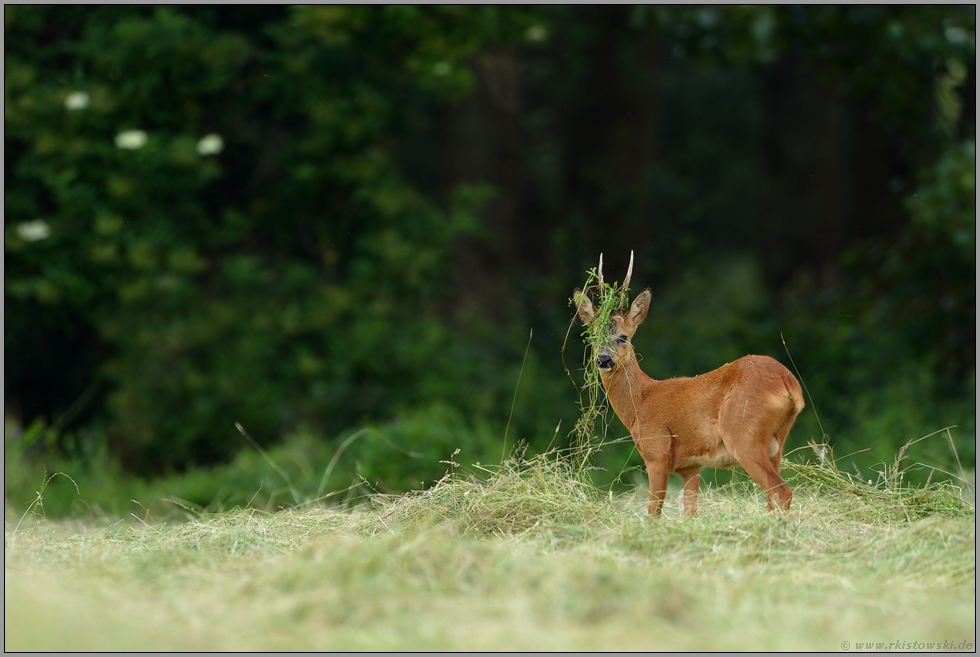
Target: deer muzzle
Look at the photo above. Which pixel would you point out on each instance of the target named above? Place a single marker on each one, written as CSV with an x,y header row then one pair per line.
x,y
605,362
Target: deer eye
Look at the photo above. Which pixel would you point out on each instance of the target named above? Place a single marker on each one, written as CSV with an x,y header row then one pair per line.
x,y
622,339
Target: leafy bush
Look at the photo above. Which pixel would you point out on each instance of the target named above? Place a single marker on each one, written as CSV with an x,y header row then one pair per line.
x,y
213,199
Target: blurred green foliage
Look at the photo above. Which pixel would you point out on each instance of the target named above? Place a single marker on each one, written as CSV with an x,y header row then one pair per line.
x,y
293,218
288,278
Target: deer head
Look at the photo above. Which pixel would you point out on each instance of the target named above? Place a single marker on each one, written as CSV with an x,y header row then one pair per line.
x,y
614,346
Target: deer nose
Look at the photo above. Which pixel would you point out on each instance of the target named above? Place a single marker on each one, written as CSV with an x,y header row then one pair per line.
x,y
605,362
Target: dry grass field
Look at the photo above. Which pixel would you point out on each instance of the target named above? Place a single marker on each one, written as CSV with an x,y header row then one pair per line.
x,y
526,556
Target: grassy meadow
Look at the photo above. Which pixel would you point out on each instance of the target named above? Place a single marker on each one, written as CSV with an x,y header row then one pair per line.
x,y
525,556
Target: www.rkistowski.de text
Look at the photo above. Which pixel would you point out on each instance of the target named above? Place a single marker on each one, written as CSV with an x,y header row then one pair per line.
x,y
908,645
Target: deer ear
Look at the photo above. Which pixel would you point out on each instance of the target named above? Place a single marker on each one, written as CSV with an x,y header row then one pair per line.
x,y
585,310
641,306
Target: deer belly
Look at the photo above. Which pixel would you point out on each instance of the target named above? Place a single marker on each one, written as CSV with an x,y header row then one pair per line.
x,y
718,457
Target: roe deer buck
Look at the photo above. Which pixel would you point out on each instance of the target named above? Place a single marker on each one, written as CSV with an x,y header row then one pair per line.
x,y
738,413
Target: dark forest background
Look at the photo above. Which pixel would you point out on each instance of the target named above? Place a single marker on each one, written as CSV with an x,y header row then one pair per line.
x,y
319,220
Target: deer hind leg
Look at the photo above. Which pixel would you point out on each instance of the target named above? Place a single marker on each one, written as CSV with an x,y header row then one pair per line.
x,y
763,469
783,493
692,484
777,457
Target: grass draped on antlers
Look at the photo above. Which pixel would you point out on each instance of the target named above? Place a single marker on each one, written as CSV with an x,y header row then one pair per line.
x,y
607,300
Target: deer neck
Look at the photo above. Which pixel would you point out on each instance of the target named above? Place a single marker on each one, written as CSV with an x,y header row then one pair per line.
x,y
625,386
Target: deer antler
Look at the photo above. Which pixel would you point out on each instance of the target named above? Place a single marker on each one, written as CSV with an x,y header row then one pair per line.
x,y
600,274
629,273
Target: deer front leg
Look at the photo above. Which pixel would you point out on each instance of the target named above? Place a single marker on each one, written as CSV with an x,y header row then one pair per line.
x,y
692,484
657,473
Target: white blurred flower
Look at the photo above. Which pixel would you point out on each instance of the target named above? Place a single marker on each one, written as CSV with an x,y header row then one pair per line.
x,y
131,140
210,145
442,68
76,100
32,231
536,33
957,35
